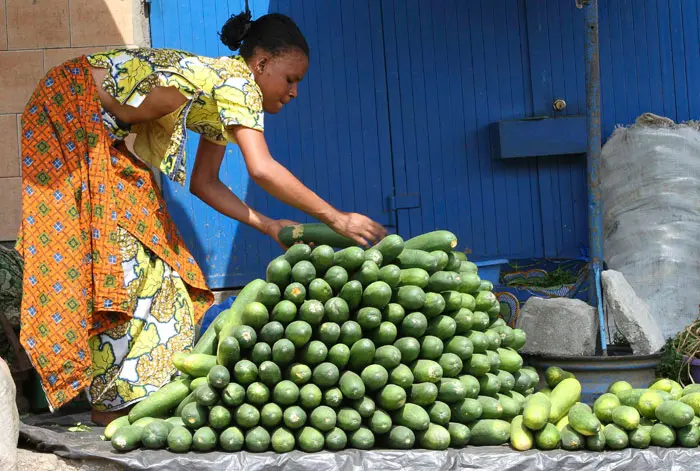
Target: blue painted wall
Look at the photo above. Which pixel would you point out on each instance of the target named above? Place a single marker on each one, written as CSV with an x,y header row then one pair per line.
x,y
401,100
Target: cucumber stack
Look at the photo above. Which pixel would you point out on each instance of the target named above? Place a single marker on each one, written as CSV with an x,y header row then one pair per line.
x,y
664,415
397,346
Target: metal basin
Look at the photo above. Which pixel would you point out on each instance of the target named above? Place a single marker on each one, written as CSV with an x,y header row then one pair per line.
x,y
596,373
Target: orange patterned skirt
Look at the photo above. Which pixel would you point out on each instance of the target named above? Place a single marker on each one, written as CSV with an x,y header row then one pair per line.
x,y
79,192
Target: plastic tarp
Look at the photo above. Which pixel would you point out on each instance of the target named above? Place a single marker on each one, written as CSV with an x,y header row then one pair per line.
x,y
48,433
650,187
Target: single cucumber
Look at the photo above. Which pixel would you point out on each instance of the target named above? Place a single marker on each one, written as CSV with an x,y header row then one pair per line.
x,y
160,402
313,233
566,394
115,425
411,258
582,419
436,240
207,342
390,247
521,438
490,432
127,438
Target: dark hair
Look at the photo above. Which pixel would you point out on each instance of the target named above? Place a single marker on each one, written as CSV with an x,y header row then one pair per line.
x,y
275,33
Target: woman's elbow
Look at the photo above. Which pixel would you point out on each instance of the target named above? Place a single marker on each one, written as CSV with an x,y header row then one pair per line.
x,y
260,174
197,187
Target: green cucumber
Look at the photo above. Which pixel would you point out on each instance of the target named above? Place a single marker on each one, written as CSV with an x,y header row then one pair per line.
x,y
436,437
582,419
412,416
443,259
390,247
179,440
350,258
127,438
521,438
436,240
160,402
442,281
440,413
391,275
401,438
375,256
566,394
413,277
313,233
489,432
207,342
297,252
411,258
115,425
279,272
377,295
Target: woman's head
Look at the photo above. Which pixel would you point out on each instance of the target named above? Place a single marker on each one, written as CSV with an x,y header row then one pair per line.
x,y
275,51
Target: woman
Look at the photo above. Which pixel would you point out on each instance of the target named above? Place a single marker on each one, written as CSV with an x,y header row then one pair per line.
x,y
110,290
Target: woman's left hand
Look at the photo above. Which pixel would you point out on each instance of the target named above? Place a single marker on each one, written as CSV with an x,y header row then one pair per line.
x,y
273,228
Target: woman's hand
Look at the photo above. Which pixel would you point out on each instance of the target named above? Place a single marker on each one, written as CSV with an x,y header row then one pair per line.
x,y
273,227
359,228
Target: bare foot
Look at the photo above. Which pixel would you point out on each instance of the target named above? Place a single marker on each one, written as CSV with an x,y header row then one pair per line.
x,y
105,417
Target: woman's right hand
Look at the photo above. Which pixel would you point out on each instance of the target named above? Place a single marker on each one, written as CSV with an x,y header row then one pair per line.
x,y
359,228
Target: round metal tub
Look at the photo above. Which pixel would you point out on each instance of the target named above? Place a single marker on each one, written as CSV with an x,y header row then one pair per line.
x,y
597,373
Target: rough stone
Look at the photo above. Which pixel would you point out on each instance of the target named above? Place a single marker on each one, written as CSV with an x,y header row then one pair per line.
x,y
559,326
631,315
9,418
30,459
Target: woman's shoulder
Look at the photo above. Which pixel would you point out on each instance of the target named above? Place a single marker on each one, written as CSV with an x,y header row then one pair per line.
x,y
157,57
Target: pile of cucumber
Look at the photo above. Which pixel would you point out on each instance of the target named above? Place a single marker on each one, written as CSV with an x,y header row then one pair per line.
x,y
663,415
398,346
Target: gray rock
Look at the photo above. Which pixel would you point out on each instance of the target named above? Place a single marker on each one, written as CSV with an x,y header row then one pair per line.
x,y
559,326
631,315
9,418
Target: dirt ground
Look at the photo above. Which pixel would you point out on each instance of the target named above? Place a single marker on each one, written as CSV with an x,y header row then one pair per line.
x,y
36,461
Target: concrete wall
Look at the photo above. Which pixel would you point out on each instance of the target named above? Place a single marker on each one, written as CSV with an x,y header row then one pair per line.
x,y
36,35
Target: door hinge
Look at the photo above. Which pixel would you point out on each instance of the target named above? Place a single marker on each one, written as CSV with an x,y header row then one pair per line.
x,y
408,201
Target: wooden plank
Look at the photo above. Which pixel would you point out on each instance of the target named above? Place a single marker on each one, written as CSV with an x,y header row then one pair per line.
x,y
528,189
542,93
692,55
456,193
441,158
498,76
607,79
377,131
667,85
645,88
679,61
395,108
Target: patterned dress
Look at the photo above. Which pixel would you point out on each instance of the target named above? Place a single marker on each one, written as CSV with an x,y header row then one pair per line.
x,y
110,290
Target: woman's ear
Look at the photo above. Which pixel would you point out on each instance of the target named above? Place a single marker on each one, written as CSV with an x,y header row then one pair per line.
x,y
259,63
262,63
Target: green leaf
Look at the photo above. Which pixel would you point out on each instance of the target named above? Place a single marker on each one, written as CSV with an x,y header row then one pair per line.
x,y
79,427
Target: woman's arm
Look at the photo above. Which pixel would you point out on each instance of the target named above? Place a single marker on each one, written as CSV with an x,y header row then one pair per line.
x,y
206,185
283,185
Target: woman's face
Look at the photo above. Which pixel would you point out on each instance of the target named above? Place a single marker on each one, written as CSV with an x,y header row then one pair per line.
x,y
278,76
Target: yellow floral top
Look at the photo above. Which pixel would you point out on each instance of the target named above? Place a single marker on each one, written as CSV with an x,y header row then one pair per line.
x,y
221,92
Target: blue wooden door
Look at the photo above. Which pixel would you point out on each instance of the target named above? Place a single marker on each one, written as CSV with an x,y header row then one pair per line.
x,y
454,69
334,137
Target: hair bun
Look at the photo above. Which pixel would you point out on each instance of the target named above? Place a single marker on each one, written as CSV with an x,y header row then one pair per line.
x,y
235,29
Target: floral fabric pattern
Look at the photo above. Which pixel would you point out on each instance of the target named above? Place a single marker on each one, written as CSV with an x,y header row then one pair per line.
x,y
221,92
